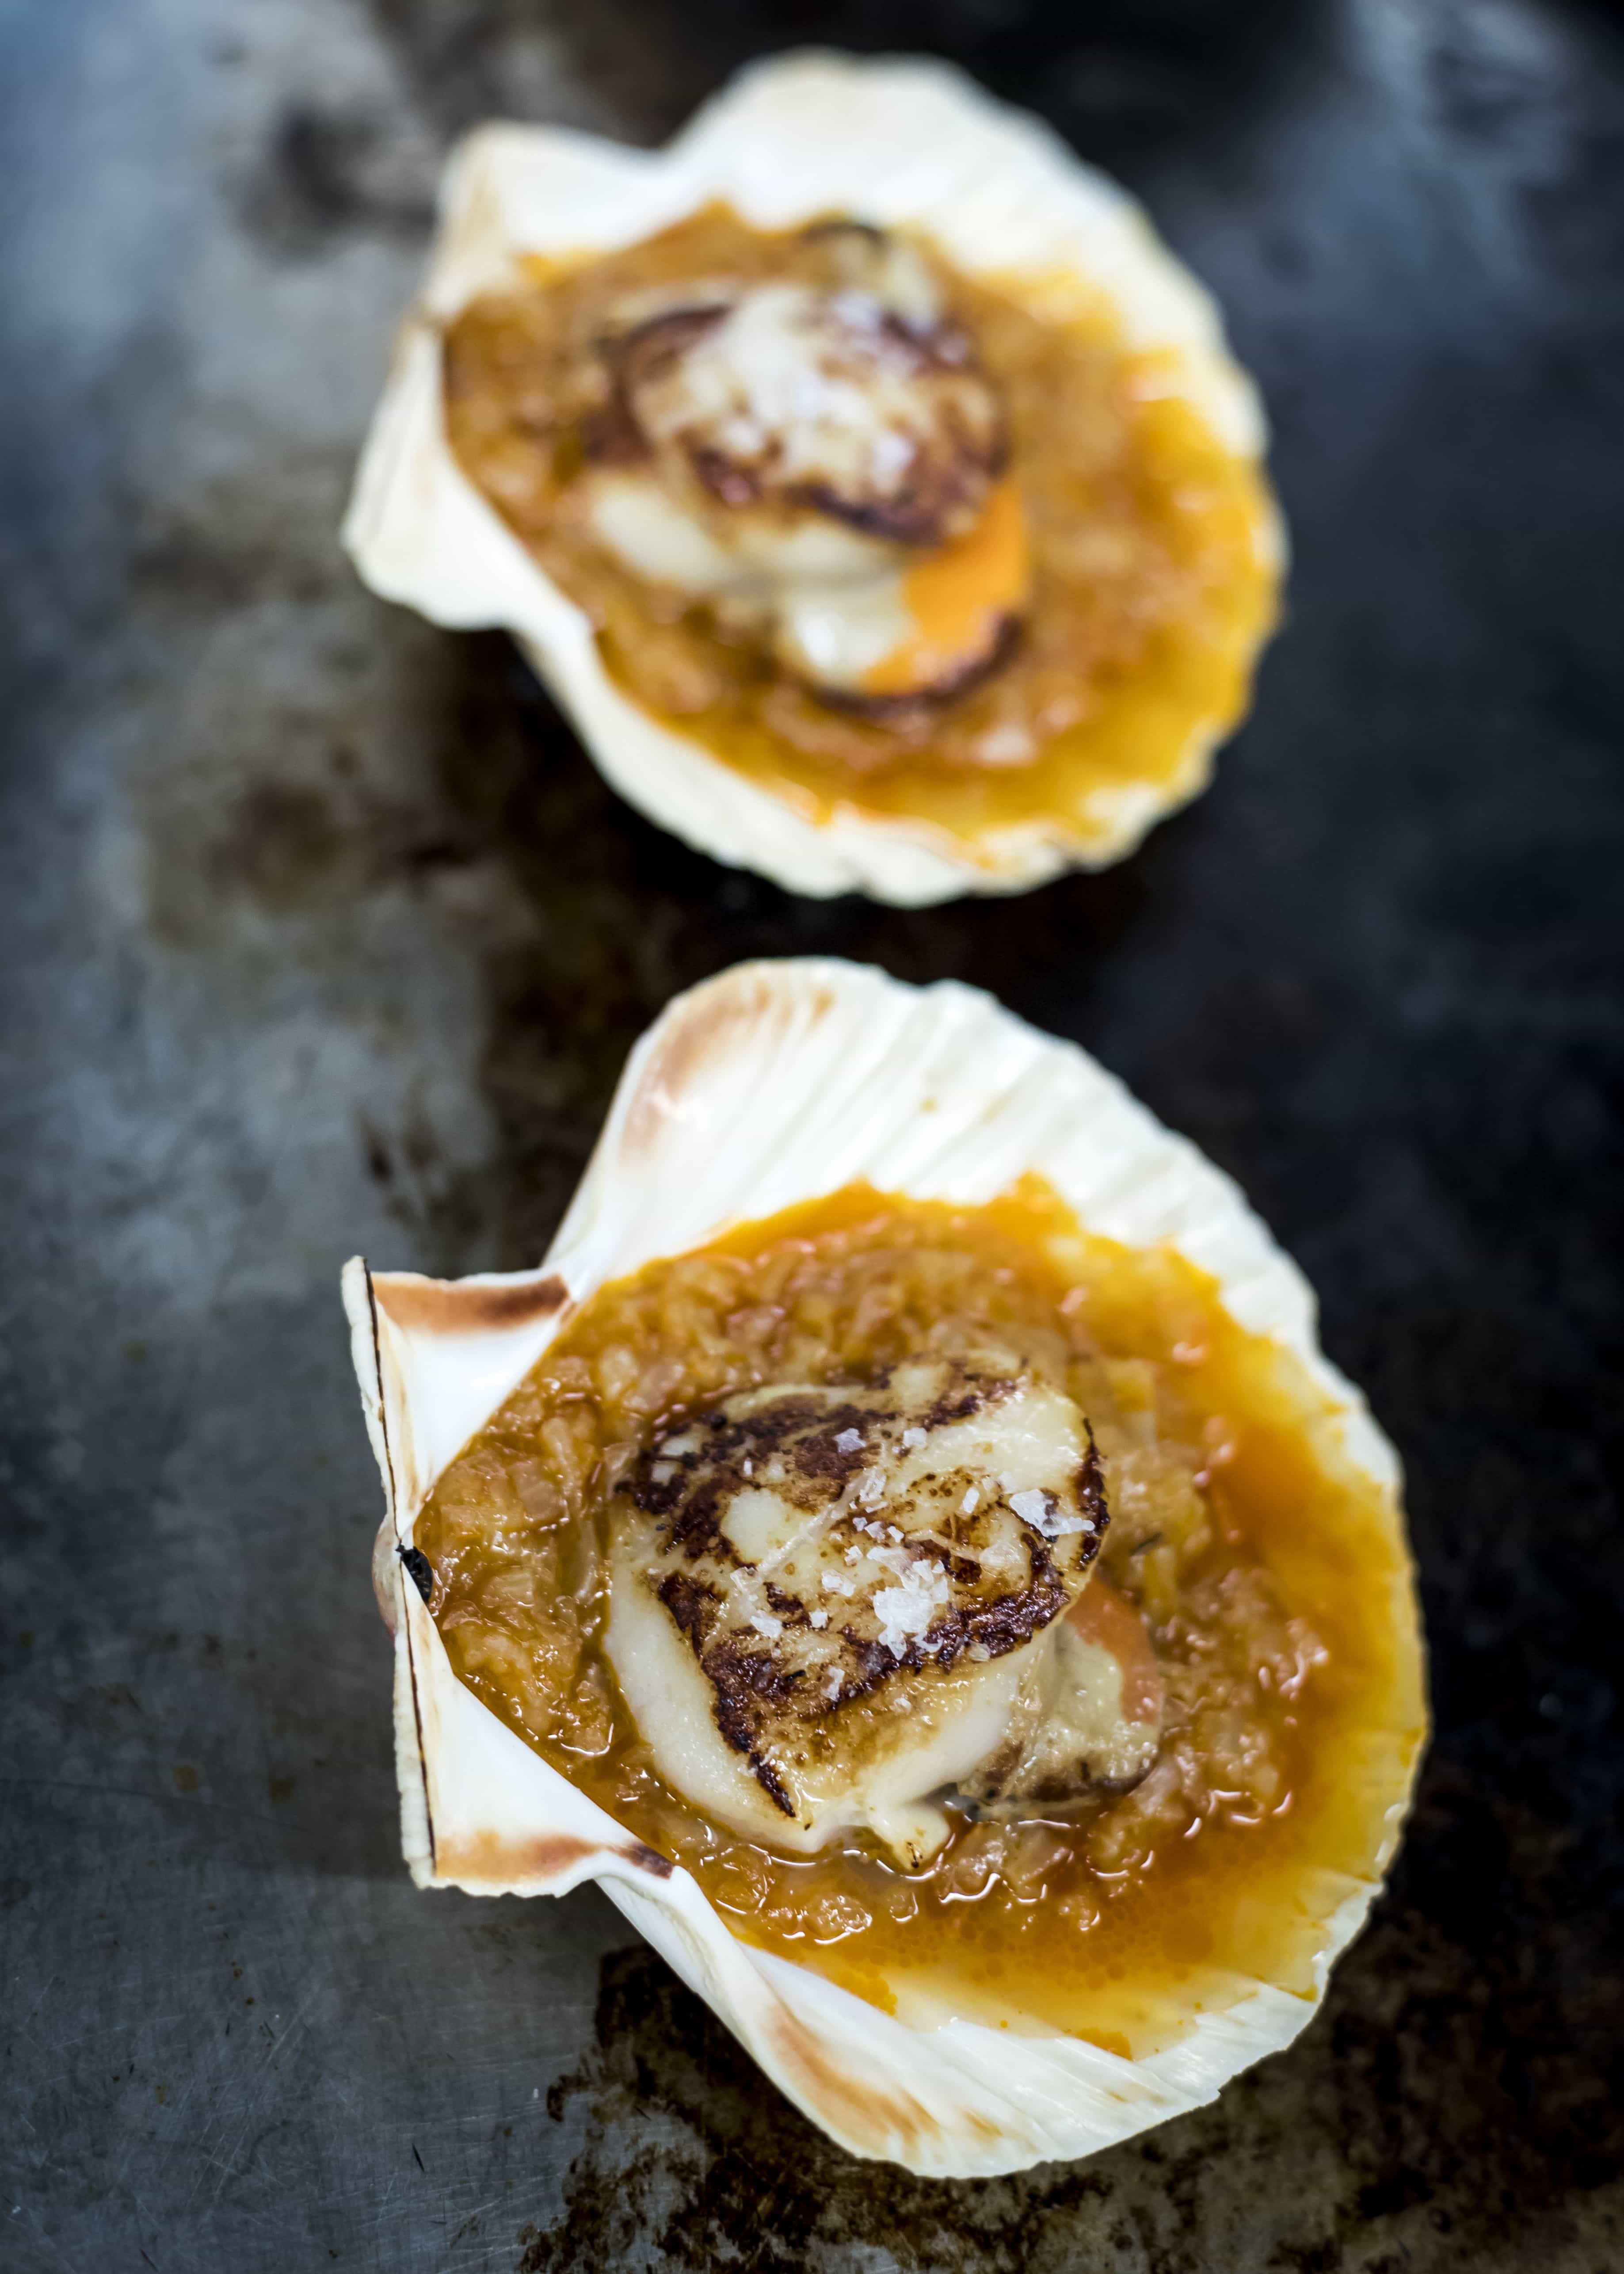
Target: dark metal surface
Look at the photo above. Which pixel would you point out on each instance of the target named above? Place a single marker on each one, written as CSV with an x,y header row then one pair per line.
x,y
317,933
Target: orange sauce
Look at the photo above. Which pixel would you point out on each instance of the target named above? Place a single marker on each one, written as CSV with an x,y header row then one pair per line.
x,y
959,596
1235,1893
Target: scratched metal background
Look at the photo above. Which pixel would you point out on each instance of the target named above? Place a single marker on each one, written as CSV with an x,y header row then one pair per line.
x,y
317,933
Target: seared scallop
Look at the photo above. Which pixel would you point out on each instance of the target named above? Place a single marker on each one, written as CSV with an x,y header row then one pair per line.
x,y
831,1601
824,452
1087,1719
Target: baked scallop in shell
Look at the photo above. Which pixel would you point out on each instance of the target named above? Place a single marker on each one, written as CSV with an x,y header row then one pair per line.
x,y
905,1544
871,488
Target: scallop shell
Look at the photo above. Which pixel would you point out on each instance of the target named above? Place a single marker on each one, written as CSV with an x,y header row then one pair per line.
x,y
772,1084
914,144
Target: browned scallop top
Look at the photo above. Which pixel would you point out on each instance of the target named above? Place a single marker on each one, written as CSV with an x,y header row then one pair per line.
x,y
958,437
848,1592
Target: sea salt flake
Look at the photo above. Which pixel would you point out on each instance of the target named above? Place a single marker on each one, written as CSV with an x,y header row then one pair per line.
x,y
849,1440
1009,745
1038,1508
859,310
764,1624
890,454
906,1609
914,1438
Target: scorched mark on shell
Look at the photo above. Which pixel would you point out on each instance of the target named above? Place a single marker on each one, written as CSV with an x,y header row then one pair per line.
x,y
431,1307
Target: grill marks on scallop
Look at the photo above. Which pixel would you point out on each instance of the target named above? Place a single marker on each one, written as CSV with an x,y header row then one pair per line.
x,y
895,430
881,1565
818,454
611,435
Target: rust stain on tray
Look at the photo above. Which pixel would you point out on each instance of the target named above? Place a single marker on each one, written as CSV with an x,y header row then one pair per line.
x,y
684,2149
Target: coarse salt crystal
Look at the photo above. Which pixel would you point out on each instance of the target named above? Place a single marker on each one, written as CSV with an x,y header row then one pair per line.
x,y
819,1619
967,1505
837,1682
849,1440
764,1624
906,1610
1034,1508
914,1438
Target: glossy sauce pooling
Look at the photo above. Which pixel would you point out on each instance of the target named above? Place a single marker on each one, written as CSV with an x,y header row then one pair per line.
x,y
1272,1577
1151,548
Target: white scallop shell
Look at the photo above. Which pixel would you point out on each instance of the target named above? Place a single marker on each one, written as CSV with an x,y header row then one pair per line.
x,y
904,143
770,1085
